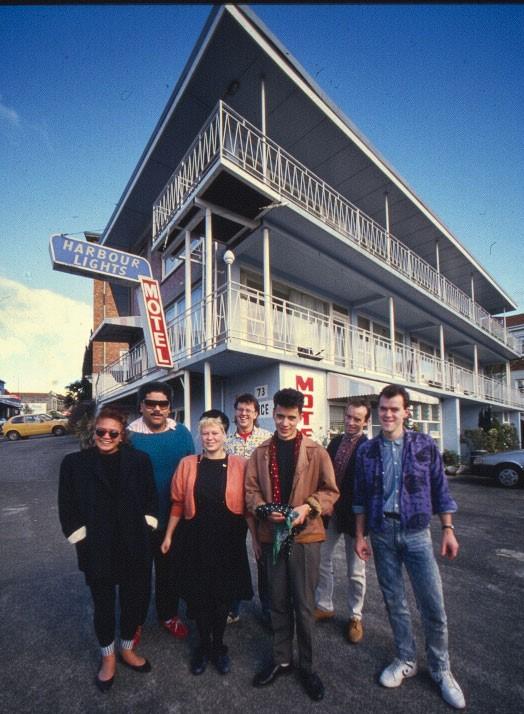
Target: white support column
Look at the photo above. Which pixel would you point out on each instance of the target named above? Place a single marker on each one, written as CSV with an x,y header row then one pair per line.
x,y
208,279
451,424
442,356
207,386
187,291
437,266
388,237
392,334
508,381
187,399
476,370
473,298
268,314
263,122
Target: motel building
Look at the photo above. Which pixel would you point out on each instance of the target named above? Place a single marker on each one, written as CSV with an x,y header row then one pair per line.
x,y
289,253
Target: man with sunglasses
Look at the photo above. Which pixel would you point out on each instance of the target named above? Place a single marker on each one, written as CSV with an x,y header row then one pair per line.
x,y
166,442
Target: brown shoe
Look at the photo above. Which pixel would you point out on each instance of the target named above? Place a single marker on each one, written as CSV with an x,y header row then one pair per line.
x,y
355,630
323,614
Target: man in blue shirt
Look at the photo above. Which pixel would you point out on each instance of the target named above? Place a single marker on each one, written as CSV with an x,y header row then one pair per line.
x,y
166,442
399,484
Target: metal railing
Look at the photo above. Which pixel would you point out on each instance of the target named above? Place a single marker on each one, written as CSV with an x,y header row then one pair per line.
x,y
228,135
237,316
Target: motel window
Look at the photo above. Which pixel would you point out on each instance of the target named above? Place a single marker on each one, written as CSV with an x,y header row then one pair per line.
x,y
174,260
178,306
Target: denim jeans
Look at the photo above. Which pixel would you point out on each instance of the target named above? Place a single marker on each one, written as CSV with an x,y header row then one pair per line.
x,y
393,548
356,573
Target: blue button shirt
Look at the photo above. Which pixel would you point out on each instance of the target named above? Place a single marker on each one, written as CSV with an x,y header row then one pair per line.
x,y
391,452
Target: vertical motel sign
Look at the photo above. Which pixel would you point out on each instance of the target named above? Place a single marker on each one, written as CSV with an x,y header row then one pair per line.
x,y
91,260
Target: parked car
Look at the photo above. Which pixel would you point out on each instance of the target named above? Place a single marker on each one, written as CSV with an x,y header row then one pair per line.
x,y
24,425
507,467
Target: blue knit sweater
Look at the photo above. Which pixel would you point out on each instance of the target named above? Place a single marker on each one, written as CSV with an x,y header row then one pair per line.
x,y
165,451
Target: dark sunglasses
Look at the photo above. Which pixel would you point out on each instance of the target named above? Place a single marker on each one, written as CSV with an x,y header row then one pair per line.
x,y
113,433
152,403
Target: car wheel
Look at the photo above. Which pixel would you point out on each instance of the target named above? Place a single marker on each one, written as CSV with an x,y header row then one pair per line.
x,y
508,475
12,435
58,431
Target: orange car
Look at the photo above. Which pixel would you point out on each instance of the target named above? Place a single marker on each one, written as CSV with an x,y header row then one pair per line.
x,y
24,425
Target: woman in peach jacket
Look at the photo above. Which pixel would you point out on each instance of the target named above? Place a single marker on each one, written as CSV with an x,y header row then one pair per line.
x,y
207,491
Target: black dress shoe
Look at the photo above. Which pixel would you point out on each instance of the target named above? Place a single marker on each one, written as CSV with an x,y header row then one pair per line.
x,y
270,673
104,685
144,668
313,685
222,663
199,663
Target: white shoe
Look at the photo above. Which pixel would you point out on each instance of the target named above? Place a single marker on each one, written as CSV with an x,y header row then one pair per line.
x,y
449,689
396,672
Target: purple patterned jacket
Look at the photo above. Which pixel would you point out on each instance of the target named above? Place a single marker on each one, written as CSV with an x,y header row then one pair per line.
x,y
424,489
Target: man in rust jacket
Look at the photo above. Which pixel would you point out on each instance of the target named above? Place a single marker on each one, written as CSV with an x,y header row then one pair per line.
x,y
290,483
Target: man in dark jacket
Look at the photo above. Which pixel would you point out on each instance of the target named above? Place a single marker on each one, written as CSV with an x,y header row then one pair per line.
x,y
342,450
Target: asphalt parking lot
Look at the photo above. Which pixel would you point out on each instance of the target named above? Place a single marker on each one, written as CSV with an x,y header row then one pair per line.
x,y
50,655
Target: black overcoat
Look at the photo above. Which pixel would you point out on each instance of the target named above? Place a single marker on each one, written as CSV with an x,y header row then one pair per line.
x,y
345,518
85,501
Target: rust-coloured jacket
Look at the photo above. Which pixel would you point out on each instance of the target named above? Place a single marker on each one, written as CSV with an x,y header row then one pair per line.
x,y
183,486
314,478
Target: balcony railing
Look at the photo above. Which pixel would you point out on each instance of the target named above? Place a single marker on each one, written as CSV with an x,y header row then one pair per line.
x,y
229,136
238,316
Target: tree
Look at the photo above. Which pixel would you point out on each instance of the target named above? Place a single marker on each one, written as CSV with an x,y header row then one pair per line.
x,y
77,391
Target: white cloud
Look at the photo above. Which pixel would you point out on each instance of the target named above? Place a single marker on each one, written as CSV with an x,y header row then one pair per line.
x,y
42,337
9,114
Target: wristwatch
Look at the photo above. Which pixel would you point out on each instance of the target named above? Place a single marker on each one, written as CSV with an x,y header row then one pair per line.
x,y
448,525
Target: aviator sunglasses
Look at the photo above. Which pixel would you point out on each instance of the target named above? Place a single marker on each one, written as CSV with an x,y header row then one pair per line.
x,y
113,433
152,403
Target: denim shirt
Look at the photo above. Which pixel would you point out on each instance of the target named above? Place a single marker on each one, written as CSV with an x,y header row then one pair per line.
x,y
423,490
391,451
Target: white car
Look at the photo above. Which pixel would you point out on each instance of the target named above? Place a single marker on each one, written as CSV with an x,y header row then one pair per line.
x,y
507,467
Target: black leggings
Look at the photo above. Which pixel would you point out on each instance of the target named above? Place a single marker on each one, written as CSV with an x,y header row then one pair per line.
x,y
133,602
211,619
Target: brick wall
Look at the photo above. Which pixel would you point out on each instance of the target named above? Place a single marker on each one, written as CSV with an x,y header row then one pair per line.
x,y
104,306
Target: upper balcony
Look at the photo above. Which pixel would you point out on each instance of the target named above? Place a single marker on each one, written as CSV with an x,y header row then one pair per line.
x,y
240,320
231,140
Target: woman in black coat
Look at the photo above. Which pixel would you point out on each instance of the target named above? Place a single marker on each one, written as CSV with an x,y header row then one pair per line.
x,y
107,505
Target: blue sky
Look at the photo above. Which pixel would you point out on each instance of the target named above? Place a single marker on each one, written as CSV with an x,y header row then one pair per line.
x,y
438,90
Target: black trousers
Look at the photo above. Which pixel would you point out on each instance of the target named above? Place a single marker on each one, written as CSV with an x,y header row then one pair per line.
x,y
166,595
292,584
133,599
211,619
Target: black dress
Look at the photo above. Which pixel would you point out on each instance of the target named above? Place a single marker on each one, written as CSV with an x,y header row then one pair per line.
x,y
213,561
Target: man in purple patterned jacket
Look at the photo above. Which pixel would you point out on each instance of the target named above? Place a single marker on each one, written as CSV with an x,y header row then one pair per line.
x,y
399,485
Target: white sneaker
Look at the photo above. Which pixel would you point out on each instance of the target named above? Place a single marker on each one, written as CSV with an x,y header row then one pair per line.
x,y
396,672
449,689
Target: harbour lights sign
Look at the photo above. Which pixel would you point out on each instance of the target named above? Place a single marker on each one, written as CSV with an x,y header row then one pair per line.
x,y
70,255
78,257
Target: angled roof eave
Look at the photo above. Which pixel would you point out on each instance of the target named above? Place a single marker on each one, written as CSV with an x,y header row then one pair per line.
x,y
270,44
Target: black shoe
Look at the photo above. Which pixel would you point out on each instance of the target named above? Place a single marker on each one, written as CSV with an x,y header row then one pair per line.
x,y
104,685
144,668
270,673
199,662
313,685
222,663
